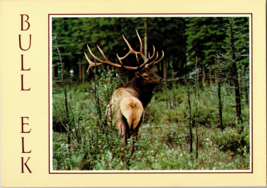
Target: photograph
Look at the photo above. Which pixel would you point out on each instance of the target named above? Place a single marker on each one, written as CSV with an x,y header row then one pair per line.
x,y
150,93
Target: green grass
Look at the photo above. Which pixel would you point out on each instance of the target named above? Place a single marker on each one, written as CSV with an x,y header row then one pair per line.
x,y
164,136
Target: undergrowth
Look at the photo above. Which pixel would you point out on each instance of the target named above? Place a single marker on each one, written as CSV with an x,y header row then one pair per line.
x,y
164,136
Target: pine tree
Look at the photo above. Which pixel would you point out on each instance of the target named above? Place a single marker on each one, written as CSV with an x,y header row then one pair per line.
x,y
236,57
204,40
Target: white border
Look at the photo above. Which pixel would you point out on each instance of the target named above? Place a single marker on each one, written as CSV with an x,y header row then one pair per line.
x,y
51,171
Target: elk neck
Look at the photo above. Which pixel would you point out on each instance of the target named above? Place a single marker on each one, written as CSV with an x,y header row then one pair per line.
x,y
145,91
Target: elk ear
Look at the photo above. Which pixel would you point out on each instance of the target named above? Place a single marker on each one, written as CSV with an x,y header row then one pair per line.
x,y
154,68
137,74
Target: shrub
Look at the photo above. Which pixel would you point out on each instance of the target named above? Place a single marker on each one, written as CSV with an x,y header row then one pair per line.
x,y
231,140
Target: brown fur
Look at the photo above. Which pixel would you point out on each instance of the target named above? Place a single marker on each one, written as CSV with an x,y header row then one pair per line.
x,y
128,102
132,109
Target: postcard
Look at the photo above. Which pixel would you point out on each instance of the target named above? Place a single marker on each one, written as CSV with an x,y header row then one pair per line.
x,y
133,94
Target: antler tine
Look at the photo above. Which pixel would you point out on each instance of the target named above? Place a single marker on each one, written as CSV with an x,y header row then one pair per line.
x,y
91,63
101,61
93,53
130,48
150,57
155,62
153,53
137,59
141,46
119,58
106,59
145,63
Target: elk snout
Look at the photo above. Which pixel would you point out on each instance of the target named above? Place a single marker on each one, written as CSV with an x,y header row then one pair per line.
x,y
160,81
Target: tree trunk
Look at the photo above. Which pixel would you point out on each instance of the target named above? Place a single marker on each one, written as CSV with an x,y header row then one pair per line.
x,y
247,94
80,71
235,79
190,124
203,74
165,80
53,72
196,99
83,77
164,71
220,104
145,49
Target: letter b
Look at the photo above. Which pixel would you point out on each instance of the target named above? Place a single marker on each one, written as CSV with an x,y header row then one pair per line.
x,y
24,21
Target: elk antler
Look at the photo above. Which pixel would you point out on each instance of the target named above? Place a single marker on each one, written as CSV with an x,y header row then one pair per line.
x,y
106,61
131,51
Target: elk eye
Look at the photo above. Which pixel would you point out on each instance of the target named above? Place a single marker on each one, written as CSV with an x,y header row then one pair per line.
x,y
145,76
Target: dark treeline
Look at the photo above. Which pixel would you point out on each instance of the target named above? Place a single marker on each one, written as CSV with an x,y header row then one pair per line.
x,y
182,39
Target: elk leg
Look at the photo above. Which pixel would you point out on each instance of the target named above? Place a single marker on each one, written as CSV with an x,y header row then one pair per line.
x,y
125,135
133,142
125,130
135,134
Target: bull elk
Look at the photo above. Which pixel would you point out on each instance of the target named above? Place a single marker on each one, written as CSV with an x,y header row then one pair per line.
x,y
128,102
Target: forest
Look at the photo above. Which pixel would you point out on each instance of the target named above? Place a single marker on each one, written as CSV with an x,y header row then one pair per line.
x,y
199,119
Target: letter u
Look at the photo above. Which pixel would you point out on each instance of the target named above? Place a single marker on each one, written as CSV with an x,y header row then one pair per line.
x,y
20,43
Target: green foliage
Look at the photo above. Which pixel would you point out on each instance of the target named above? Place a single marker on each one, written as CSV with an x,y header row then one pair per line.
x,y
92,136
202,34
164,137
59,114
230,140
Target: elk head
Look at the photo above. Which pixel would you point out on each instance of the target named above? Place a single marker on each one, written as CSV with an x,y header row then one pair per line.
x,y
148,77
